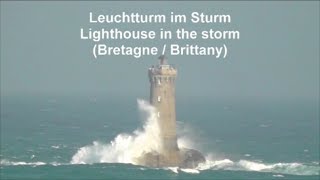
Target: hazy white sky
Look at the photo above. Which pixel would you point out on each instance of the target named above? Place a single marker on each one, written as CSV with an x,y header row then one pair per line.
x,y
276,56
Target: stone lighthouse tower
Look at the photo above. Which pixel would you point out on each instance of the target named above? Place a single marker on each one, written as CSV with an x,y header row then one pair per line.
x,y
162,97
162,79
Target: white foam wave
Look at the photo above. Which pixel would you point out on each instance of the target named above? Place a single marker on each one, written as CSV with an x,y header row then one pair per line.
x,y
5,162
278,175
125,148
245,165
55,147
219,164
173,169
191,171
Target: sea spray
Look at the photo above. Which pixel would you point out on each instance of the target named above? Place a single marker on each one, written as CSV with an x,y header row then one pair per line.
x,y
125,148
184,140
246,165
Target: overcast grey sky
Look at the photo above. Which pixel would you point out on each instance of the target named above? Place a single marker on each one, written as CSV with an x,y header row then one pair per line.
x,y
277,55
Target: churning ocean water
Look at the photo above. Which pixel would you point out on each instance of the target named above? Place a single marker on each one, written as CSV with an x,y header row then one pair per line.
x,y
98,138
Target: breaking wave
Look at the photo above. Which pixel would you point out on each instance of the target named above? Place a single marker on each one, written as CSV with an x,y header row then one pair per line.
x,y
125,148
245,165
279,169
5,162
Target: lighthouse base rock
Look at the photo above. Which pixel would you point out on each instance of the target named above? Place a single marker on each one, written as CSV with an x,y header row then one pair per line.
x,y
183,158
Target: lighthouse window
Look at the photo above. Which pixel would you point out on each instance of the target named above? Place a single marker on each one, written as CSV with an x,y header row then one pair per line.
x,y
158,114
159,98
159,81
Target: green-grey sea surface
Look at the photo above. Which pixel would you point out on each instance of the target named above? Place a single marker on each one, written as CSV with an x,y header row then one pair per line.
x,y
242,139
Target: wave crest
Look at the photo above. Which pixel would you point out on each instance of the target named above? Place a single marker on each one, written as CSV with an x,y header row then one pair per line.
x,y
5,162
125,148
245,165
